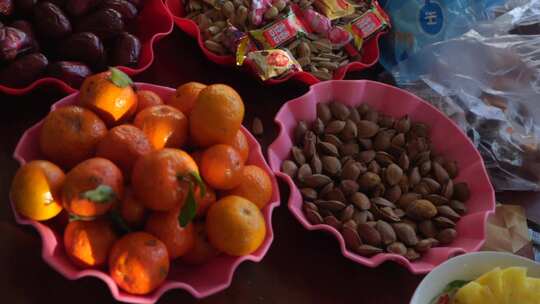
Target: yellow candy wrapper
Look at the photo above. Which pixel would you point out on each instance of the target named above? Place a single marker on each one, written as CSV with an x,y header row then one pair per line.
x,y
334,9
245,46
273,63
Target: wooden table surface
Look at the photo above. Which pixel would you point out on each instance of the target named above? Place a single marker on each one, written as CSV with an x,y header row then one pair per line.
x,y
300,267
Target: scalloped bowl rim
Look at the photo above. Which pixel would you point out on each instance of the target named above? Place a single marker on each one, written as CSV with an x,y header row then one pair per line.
x,y
169,21
383,257
47,255
301,76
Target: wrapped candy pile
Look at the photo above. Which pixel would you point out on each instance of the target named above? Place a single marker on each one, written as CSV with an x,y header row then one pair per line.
x,y
282,36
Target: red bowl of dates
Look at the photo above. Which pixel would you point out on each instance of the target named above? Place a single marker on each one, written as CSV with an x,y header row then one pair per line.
x,y
369,53
59,43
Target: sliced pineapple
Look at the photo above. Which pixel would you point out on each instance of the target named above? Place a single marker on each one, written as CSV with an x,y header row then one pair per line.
x,y
493,280
475,293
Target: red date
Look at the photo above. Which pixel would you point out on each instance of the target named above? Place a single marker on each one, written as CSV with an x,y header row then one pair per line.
x,y
72,72
24,70
105,23
12,43
6,7
126,50
50,21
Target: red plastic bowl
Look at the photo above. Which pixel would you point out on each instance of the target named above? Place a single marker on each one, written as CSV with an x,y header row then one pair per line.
x,y
447,139
200,281
370,57
153,23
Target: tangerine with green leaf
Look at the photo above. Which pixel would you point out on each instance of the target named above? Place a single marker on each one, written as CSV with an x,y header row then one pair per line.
x,y
162,180
92,187
139,262
110,95
88,243
165,225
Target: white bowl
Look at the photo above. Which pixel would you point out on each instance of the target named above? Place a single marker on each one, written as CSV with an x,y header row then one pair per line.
x,y
468,267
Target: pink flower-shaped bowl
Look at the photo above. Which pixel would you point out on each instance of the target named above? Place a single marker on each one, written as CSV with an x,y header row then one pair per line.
x,y
448,140
153,23
201,281
369,58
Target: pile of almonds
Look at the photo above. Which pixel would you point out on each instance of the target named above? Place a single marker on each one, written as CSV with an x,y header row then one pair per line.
x,y
377,180
314,53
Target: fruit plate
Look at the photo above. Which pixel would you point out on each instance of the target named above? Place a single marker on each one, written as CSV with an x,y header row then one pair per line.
x,y
369,58
201,281
469,267
153,23
447,139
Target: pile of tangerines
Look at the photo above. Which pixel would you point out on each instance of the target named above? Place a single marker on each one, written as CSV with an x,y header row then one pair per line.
x,y
147,181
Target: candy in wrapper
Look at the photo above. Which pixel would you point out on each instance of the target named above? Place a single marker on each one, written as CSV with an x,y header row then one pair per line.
x,y
339,37
322,25
334,9
318,23
232,37
273,63
367,25
257,10
279,32
244,47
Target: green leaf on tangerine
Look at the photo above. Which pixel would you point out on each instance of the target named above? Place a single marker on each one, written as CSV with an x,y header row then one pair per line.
x,y
189,210
102,194
119,78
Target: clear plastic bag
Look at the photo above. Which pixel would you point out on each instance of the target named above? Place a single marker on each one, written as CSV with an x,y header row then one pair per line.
x,y
488,81
417,23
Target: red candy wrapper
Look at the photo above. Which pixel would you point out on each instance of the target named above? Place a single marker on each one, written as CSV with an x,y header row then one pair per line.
x,y
273,63
367,25
339,37
320,24
279,32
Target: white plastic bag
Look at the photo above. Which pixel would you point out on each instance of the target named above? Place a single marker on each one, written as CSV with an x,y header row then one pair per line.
x,y
488,81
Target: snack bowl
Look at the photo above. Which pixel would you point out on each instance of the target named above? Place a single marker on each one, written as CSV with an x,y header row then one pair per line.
x,y
200,281
447,139
153,23
468,267
370,51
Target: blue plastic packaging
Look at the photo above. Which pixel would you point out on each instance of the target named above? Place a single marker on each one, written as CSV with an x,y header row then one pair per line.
x,y
417,23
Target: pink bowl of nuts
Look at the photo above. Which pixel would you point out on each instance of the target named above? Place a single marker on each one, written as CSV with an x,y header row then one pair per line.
x,y
386,173
198,280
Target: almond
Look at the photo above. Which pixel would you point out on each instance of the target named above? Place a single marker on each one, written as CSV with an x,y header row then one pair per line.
x,y
289,167
367,129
